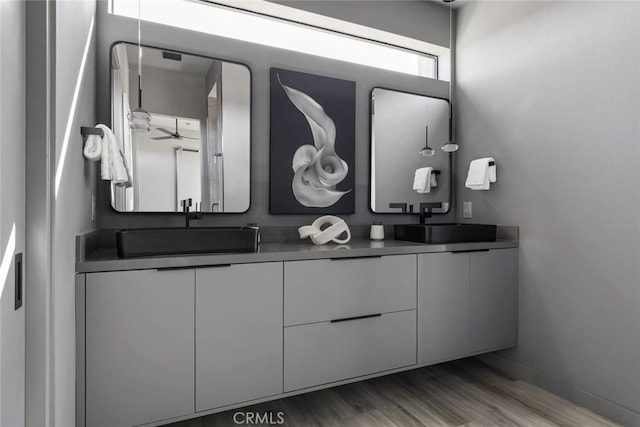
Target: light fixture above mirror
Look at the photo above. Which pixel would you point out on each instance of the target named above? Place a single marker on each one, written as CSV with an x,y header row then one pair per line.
x,y
450,146
139,118
427,151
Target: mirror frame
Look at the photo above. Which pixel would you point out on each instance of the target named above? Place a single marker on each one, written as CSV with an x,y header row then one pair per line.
x,y
251,125
371,159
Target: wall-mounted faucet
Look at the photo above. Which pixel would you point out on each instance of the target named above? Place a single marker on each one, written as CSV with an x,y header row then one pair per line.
x,y
426,209
197,214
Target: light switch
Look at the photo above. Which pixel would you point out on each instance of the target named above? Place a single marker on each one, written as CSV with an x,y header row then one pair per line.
x,y
18,281
467,210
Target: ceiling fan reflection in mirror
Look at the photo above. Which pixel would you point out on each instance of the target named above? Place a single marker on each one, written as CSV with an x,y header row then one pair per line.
x,y
172,135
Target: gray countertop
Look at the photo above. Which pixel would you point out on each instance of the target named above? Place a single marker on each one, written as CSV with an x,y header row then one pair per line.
x,y
106,259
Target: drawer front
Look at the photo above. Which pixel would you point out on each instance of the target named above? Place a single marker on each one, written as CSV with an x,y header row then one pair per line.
x,y
326,352
321,290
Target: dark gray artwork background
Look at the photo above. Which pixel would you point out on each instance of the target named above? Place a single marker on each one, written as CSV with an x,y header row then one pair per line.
x,y
289,130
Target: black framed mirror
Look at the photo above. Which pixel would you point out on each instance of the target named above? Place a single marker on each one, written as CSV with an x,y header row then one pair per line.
x,y
407,133
199,143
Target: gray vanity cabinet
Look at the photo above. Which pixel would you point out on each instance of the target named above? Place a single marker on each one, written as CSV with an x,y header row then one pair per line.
x,y
238,333
493,296
443,307
139,346
467,303
160,344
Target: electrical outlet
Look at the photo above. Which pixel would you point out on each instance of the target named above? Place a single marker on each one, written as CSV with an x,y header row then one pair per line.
x,y
93,208
467,210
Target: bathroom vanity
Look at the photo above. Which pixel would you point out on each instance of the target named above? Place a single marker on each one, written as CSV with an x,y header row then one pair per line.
x,y
168,338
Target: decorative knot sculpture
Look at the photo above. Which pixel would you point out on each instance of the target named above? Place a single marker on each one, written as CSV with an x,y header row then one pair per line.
x,y
326,229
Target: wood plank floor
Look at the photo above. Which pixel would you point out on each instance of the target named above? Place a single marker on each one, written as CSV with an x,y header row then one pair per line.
x,y
461,393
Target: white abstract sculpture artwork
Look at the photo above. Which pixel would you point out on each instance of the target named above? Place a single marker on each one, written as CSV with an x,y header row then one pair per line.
x,y
326,229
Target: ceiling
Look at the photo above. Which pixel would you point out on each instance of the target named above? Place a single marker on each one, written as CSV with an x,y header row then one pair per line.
x,y
186,127
151,57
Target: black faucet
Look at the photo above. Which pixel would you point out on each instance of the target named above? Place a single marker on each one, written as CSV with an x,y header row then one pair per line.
x,y
186,204
426,210
402,206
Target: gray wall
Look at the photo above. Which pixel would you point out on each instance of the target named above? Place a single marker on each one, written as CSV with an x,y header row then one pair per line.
x,y
72,203
407,18
551,90
12,200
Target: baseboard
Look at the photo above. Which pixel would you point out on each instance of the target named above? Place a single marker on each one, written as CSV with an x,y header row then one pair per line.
x,y
603,407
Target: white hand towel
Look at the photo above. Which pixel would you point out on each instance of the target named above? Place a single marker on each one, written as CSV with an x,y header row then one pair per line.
x,y
480,175
105,162
434,182
129,182
93,148
113,166
422,180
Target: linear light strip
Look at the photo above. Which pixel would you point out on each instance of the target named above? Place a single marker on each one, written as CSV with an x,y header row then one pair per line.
x,y
72,111
7,258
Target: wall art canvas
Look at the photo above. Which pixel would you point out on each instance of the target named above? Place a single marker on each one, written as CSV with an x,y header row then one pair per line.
x,y
312,154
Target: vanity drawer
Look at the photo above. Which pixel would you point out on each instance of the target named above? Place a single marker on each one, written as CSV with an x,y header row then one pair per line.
x,y
321,290
326,352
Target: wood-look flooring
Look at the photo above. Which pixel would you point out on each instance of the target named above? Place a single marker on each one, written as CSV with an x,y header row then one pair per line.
x,y
461,393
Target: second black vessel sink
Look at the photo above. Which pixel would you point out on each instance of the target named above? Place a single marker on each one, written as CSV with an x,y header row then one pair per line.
x,y
194,240
445,233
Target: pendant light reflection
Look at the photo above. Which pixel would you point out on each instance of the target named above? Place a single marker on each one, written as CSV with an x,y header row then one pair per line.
x,y
426,150
139,118
450,146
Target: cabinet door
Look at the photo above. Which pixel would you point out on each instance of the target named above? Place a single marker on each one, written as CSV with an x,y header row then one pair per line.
x,y
238,334
493,299
443,306
139,346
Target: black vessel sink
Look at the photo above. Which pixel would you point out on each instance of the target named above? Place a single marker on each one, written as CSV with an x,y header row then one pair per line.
x,y
445,233
195,240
